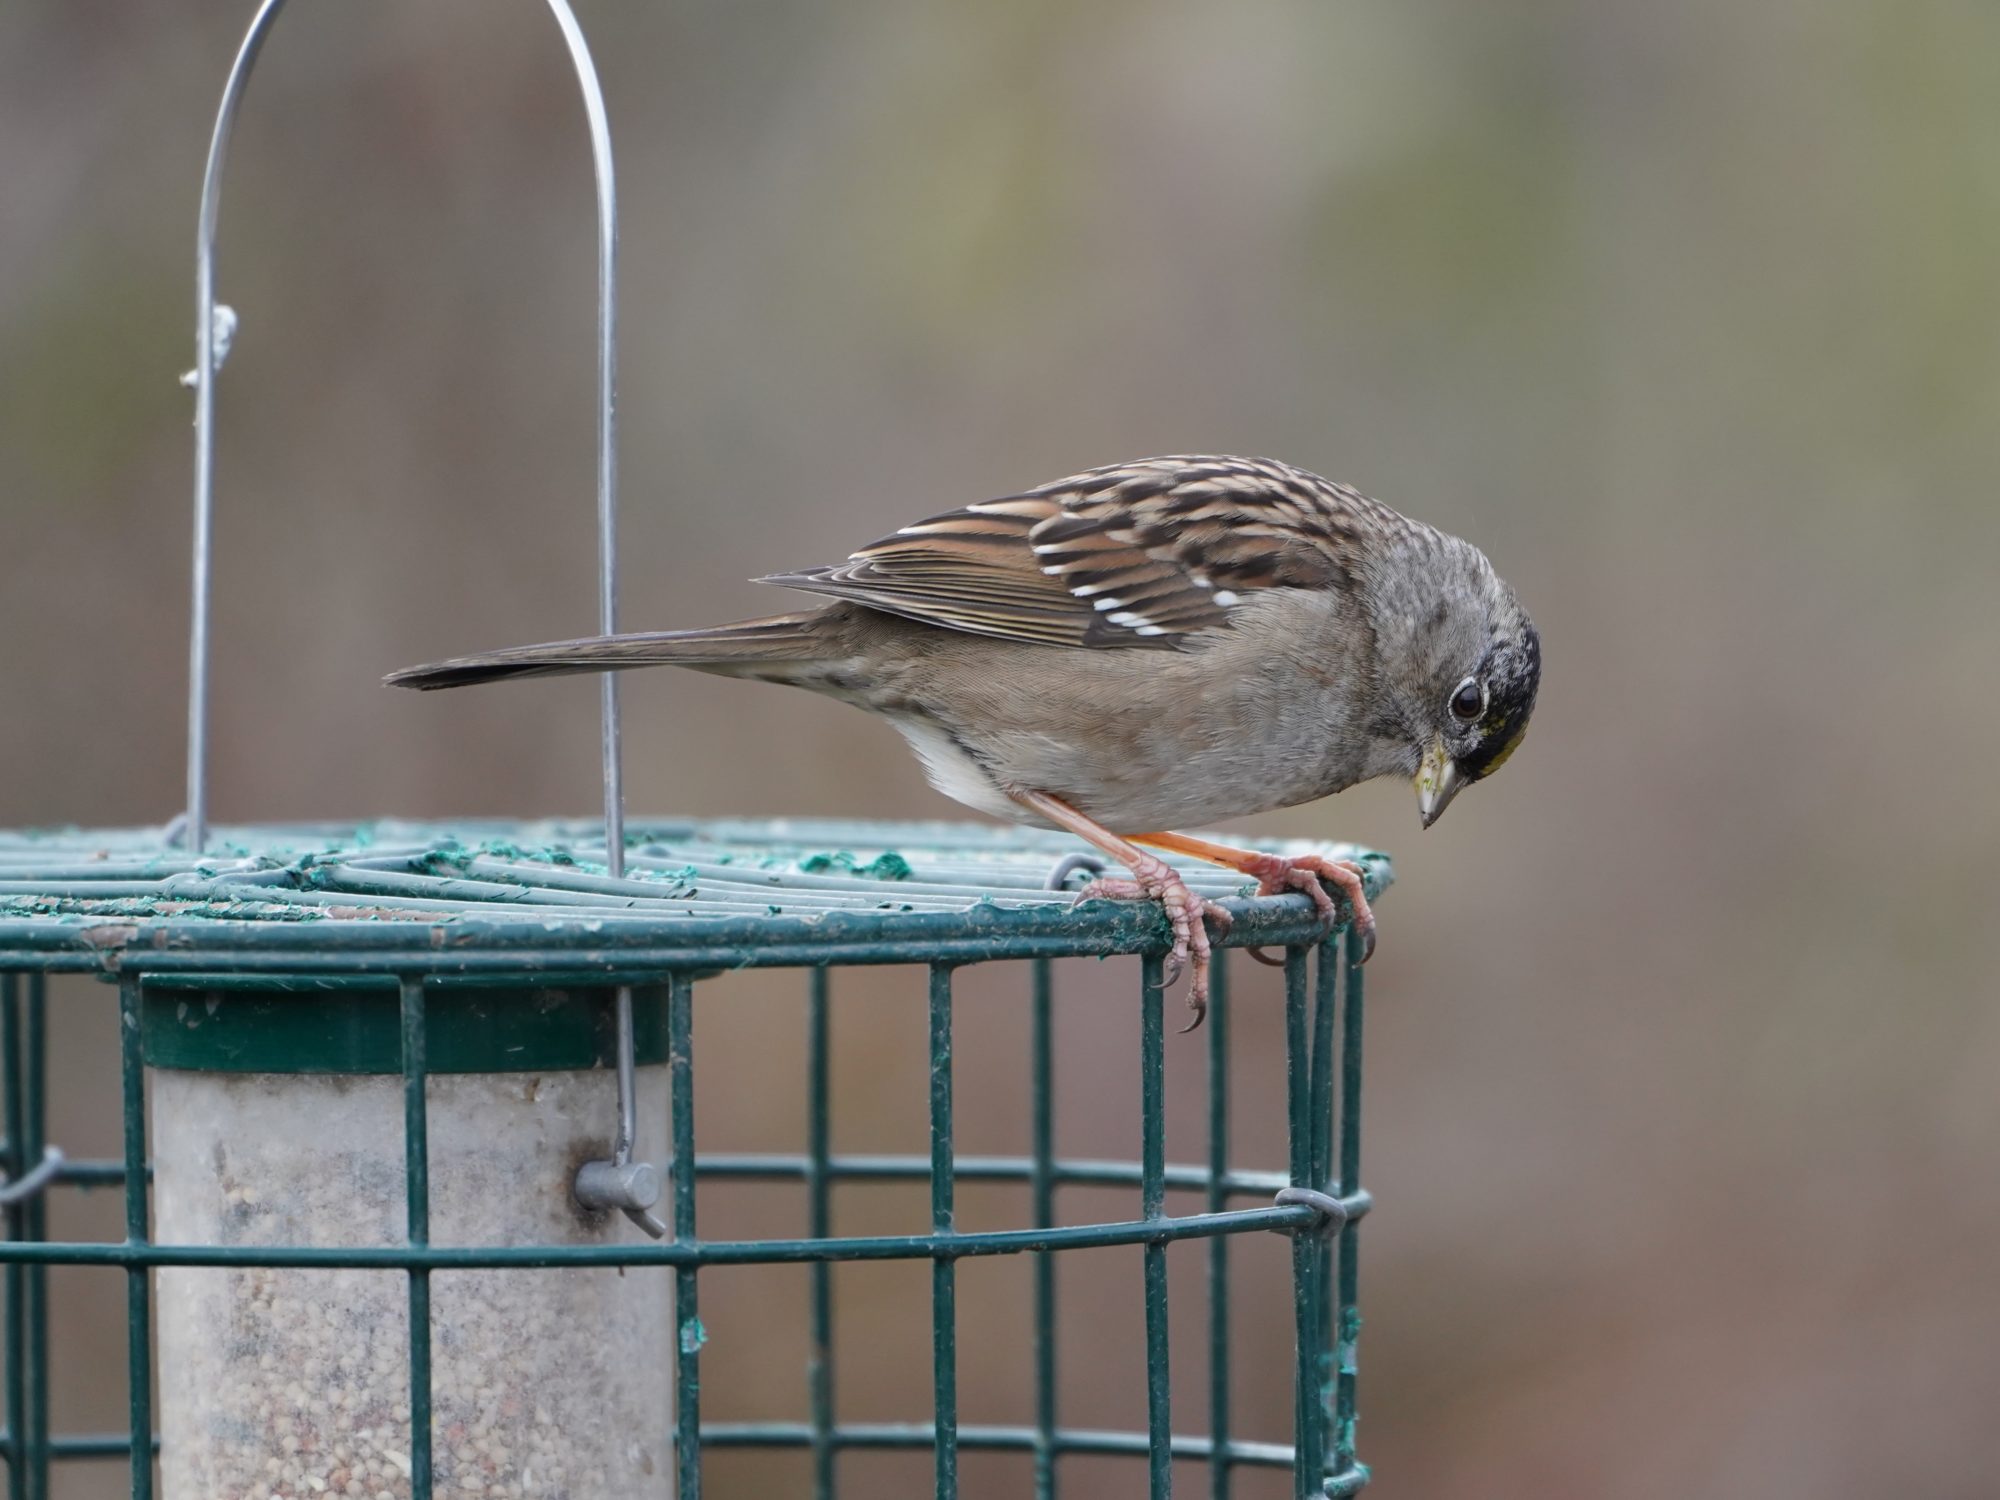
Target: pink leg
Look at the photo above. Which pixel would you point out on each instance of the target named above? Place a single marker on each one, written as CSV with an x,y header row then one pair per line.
x,y
1153,879
1278,873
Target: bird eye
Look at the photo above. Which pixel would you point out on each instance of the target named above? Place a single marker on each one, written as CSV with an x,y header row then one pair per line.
x,y
1469,701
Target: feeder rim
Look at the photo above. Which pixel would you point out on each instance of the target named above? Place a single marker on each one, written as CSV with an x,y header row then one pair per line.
x,y
492,899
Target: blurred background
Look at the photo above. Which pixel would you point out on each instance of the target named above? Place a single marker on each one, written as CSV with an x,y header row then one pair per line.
x,y
1684,1053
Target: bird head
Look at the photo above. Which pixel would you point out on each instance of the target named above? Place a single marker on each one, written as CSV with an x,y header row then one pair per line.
x,y
1464,662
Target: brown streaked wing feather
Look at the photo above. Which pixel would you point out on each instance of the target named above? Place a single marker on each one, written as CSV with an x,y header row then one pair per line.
x,y
970,569
1132,555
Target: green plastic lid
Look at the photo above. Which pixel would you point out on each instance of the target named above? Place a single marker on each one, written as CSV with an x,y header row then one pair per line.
x,y
310,1028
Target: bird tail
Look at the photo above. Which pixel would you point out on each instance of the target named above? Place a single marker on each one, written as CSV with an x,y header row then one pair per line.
x,y
773,647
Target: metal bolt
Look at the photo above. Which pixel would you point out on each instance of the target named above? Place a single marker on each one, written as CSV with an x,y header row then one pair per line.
x,y
607,1184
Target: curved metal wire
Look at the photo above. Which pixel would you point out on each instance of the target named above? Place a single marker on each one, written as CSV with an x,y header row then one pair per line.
x,y
194,832
32,1181
194,828
607,418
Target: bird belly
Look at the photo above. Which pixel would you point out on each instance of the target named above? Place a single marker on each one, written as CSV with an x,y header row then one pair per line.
x,y
1124,773
952,771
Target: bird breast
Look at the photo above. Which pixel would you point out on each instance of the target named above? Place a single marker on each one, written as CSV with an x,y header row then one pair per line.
x,y
1245,722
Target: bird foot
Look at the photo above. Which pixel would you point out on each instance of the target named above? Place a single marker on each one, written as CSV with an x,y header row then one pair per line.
x,y
1277,874
1156,880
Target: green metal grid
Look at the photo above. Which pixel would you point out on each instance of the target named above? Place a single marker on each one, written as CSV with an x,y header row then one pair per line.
x,y
416,910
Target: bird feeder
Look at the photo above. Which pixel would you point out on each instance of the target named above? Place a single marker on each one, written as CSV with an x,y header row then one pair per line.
x,y
392,1228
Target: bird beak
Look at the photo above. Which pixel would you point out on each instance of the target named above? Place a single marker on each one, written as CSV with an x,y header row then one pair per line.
x,y
1437,782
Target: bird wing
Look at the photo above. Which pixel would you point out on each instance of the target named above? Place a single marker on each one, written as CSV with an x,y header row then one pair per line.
x,y
1133,555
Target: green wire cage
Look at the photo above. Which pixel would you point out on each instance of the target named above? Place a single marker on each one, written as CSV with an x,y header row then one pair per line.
x,y
393,1067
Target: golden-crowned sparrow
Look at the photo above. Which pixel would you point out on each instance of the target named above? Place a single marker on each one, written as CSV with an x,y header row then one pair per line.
x,y
1172,641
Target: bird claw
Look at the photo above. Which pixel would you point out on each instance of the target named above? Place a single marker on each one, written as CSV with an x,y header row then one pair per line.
x,y
1187,914
1109,888
1197,998
1367,932
1279,874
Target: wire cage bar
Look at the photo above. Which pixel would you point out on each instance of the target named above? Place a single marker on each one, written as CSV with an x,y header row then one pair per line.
x,y
403,923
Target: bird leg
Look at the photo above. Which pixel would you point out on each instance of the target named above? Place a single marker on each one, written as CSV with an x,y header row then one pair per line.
x,y
1153,879
1276,874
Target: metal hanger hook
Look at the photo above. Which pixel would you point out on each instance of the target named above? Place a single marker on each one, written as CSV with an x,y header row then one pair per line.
x,y
212,333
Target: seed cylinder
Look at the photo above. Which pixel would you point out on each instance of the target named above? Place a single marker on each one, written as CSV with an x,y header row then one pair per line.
x,y
278,1120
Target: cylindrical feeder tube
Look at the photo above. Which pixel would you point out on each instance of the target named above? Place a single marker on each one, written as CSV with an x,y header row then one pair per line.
x,y
278,1120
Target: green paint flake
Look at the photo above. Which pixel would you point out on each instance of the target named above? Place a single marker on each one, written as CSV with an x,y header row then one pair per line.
x,y
888,865
1346,1439
452,857
693,1336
